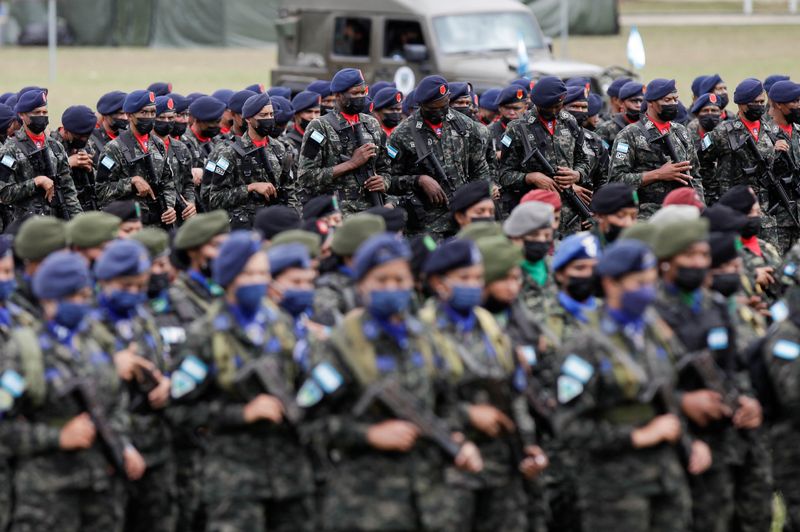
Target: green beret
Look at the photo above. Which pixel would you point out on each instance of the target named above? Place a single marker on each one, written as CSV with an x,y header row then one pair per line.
x,y
310,240
354,231
477,230
92,229
201,228
672,238
641,231
39,236
504,256
155,239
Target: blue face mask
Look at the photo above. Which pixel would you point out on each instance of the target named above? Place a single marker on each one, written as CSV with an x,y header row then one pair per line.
x,y
386,303
297,301
123,302
70,315
635,302
465,298
7,288
249,297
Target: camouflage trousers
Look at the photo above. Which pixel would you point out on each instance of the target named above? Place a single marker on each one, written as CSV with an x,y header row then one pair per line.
x,y
492,509
6,492
635,511
258,515
786,469
188,475
152,502
69,510
713,499
754,487
561,491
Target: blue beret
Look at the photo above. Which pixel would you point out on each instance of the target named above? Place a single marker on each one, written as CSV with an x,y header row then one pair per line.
x,y
683,114
696,83
453,254
578,82
29,88
525,83
61,274
79,119
548,91
233,255
658,88
305,100
223,95
237,100
616,85
624,257
708,84
7,115
387,97
575,247
6,245
575,93
193,96
282,109
31,100
772,80
378,250
206,109
409,103
630,90
459,89
286,92
378,86
321,87
254,104
160,88
5,96
784,91
258,88
164,104
12,101
595,104
285,256
180,102
488,100
121,258
430,89
136,100
747,91
703,101
511,94
111,102
345,79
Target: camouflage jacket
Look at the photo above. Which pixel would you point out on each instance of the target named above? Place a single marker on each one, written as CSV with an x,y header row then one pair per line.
x,y
787,168
609,129
83,179
97,143
334,297
597,153
19,167
769,258
790,268
639,148
199,150
330,140
780,353
538,298
124,158
708,167
489,149
179,159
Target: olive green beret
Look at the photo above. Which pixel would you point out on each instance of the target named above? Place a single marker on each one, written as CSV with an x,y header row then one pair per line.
x,y
500,255
477,230
672,238
39,236
641,231
201,228
355,230
92,229
155,239
310,240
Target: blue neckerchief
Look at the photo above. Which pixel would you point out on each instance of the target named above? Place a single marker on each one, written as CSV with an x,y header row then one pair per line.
x,y
576,308
693,300
464,322
625,321
113,315
397,331
347,270
245,320
62,334
300,327
202,280
5,316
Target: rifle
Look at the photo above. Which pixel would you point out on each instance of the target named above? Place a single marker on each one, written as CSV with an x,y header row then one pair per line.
x,y
87,188
139,390
153,181
46,166
711,375
661,392
772,182
405,406
361,174
430,156
264,375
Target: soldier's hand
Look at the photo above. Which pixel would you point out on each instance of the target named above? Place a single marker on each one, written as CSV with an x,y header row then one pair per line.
x,y
393,435
764,276
189,211
159,395
197,176
80,160
263,407
263,189
583,193
135,465
539,180
375,184
782,145
675,172
46,184
700,458
129,363
749,414
469,456
143,188
566,176
433,190
664,428
78,433
363,153
535,462
169,216
490,420
704,406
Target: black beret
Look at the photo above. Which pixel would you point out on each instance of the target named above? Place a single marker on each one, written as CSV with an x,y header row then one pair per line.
x,y
624,257
181,102
722,218
739,198
631,89
125,210
548,91
319,206
613,197
223,95
511,94
33,99
468,195
237,100
282,109
430,89
136,100
451,255
575,93
409,104
387,97
658,88
254,104
724,247
784,92
747,91
395,218
616,85
160,88
79,119
207,109
321,87
306,100
344,80
275,219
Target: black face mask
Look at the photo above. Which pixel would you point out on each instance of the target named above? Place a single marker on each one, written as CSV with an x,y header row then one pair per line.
x,y
264,126
157,285
229,123
613,233
144,125
536,251
495,306
434,116
793,116
752,227
755,112
481,219
668,112
547,115
726,284
723,100
709,122
76,144
580,116
354,105
162,128
38,124
464,110
392,119
325,109
211,132
690,279
178,129
633,116
304,123
581,288
589,126
119,124
206,270
277,130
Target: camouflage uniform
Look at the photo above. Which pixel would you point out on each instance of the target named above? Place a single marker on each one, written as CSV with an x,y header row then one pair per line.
x,y
787,166
18,169
330,140
292,140
790,268
199,150
97,143
609,129
24,298
538,298
334,297
83,180
597,153
179,159
461,152
769,257
708,167
489,149
638,149
123,159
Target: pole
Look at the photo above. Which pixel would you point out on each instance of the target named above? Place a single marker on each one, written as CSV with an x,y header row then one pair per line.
x,y
51,37
564,28
747,7
793,7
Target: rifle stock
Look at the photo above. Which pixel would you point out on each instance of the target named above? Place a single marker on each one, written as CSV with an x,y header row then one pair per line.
x,y
264,375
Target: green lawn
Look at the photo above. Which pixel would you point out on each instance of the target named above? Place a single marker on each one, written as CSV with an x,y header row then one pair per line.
x,y
630,7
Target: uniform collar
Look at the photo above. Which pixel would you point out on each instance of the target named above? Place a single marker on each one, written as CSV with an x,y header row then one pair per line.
x,y
141,139
754,128
198,136
38,140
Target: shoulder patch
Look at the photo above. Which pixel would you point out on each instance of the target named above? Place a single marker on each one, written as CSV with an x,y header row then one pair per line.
x,y
8,161
779,311
790,269
605,144
717,338
622,147
108,162
327,377
223,163
707,142
568,388
577,368
786,350
195,368
505,141
391,150
528,354
317,137
309,394
13,383
181,384
211,166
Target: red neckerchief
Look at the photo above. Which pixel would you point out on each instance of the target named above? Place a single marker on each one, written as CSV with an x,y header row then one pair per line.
x,y
550,125
224,130
786,129
752,127
628,120
504,126
260,143
387,130
663,127
111,134
299,130
167,140
436,128
38,140
141,139
724,115
351,119
752,244
199,137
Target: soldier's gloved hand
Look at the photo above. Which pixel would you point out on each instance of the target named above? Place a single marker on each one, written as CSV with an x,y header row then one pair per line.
x,y
675,172
782,145
135,465
539,180
197,176
393,435
749,414
566,176
46,184
535,462
263,408
700,458
169,216
375,184
142,187
704,406
78,433
664,428
363,154
432,189
490,420
469,456
189,211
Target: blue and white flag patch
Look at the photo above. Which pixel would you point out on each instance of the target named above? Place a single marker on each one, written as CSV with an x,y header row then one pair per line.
x,y
577,368
317,137
327,377
505,141
391,150
13,383
779,311
622,147
108,162
309,394
717,338
786,350
568,388
8,161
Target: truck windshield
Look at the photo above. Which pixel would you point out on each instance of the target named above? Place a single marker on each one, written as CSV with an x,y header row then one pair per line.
x,y
485,32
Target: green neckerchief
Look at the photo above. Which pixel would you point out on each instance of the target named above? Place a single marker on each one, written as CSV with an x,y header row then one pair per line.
x,y
536,270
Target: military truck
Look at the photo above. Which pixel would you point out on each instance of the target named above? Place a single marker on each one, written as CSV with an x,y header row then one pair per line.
x,y
481,41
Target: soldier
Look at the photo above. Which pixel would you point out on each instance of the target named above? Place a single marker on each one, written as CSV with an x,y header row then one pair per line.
x,y
615,207
306,108
615,103
204,114
395,219
38,237
461,97
179,159
62,476
9,123
235,105
181,115
131,215
323,88
90,232
713,84
655,155
113,120
387,108
512,102
283,113
35,176
708,116
342,152
577,104
487,106
631,96
433,153
160,88
472,203
785,112
77,124
134,165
